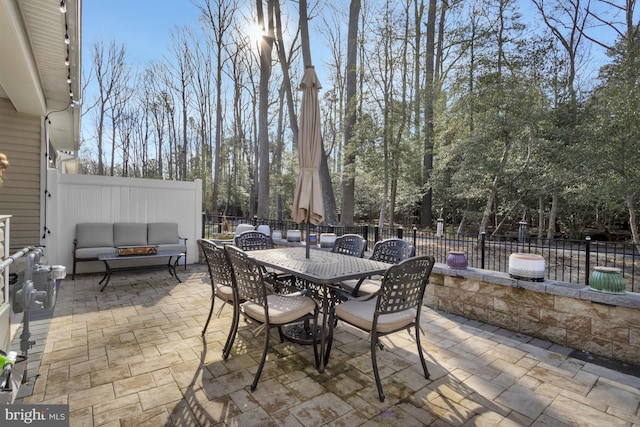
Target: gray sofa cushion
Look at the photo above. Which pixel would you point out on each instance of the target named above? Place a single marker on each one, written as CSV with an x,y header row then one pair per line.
x,y
92,253
129,234
162,233
180,247
92,235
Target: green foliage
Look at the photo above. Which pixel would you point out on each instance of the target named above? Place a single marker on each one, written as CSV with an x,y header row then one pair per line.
x,y
613,127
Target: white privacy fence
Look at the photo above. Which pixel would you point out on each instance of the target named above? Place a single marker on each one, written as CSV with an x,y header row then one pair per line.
x,y
72,199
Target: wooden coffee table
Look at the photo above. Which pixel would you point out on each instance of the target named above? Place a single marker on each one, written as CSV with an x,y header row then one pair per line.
x,y
112,260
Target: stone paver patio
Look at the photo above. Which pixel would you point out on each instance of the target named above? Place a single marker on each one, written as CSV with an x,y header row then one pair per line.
x,y
133,356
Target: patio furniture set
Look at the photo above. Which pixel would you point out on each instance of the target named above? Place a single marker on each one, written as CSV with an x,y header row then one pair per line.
x,y
276,287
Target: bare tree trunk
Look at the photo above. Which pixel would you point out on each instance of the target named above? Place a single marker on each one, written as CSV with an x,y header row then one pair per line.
x,y
266,48
286,94
540,217
277,155
114,142
444,7
171,123
386,86
219,14
348,173
109,70
202,65
553,215
284,65
303,23
632,218
493,191
404,119
427,162
117,101
330,210
463,220
253,166
418,6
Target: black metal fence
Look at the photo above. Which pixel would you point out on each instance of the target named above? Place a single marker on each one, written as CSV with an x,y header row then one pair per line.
x,y
566,260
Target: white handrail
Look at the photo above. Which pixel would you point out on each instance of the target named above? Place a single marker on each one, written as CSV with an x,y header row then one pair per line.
x,y
11,258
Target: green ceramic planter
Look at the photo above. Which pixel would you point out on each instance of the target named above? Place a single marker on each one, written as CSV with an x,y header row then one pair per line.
x,y
608,280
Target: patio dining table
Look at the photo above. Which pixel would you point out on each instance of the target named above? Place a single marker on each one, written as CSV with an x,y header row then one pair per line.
x,y
319,272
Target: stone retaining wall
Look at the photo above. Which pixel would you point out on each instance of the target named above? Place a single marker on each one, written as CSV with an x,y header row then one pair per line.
x,y
570,315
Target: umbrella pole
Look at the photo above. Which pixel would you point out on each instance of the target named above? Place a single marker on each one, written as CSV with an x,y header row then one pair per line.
x,y
308,239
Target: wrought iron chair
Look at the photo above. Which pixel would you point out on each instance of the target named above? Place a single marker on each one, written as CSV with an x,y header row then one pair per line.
x,y
391,251
270,310
253,240
221,276
394,308
349,244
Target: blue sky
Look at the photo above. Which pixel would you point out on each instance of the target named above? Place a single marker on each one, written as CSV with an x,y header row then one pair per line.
x,y
144,26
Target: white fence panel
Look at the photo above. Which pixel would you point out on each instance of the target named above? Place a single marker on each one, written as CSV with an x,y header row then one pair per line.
x,y
86,198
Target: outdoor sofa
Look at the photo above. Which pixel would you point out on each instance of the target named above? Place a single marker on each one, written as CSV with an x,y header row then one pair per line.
x,y
93,239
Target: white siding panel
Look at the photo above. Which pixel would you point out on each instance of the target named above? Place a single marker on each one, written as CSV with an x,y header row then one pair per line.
x,y
20,196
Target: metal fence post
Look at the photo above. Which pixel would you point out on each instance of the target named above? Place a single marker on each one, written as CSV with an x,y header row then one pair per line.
x,y
365,236
400,232
376,233
482,248
522,231
415,236
587,261
204,224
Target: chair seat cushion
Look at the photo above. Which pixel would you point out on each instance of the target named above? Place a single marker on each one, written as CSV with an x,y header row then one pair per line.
x,y
368,286
172,247
84,253
349,285
360,314
282,309
225,293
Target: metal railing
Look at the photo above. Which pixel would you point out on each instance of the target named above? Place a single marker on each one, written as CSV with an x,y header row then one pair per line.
x,y
213,226
566,260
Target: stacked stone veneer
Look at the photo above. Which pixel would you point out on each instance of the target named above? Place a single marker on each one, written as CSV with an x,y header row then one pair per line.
x,y
570,315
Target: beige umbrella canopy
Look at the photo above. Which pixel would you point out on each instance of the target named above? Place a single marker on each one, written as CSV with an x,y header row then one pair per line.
x,y
308,205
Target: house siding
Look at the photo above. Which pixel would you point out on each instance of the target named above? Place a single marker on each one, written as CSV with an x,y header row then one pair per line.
x,y
5,307
20,196
2,257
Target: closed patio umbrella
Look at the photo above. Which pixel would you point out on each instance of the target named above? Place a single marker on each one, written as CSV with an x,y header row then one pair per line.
x,y
308,205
